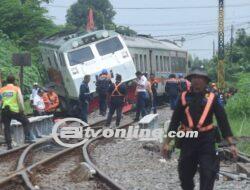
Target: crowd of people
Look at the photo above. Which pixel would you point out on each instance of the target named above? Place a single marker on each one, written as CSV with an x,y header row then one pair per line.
x,y
114,94
111,95
193,101
43,101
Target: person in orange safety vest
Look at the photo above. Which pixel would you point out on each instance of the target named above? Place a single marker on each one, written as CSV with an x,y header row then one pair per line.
x,y
195,111
51,101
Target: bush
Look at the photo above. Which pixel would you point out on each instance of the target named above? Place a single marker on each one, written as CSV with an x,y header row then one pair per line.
x,y
239,105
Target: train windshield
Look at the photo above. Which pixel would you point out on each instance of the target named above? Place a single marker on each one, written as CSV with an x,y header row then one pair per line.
x,y
109,46
80,56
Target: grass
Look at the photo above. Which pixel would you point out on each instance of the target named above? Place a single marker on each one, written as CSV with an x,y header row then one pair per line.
x,y
241,128
28,109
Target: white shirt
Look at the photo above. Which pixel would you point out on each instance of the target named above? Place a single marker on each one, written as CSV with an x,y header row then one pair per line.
x,y
38,103
34,93
141,84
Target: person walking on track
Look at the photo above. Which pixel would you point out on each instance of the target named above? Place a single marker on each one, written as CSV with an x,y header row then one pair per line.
x,y
102,86
84,98
13,108
141,95
117,93
194,112
172,90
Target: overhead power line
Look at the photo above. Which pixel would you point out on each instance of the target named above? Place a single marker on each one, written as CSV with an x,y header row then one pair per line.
x,y
161,8
179,7
201,22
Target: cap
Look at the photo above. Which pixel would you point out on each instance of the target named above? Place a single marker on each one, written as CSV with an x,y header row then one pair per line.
x,y
198,72
104,71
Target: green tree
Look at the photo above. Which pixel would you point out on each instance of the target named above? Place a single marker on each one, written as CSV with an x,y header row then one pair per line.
x,y
25,23
125,31
103,13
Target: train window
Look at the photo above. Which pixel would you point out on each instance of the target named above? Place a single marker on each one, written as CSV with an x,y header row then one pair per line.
x,y
161,63
165,62
49,62
173,64
137,62
55,61
141,63
109,46
80,56
145,63
157,63
62,60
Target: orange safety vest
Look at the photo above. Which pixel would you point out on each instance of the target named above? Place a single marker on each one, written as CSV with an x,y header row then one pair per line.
x,y
200,126
117,90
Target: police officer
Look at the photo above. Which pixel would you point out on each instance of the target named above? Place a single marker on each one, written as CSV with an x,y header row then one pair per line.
x,y
195,111
172,90
154,87
84,98
13,108
117,93
102,86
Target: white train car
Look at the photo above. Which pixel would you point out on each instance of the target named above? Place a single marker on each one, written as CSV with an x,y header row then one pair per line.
x,y
159,57
67,58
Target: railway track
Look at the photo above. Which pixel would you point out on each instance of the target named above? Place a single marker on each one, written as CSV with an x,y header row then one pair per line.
x,y
129,164
46,165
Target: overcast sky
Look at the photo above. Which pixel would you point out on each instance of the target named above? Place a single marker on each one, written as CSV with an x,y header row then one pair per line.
x,y
190,23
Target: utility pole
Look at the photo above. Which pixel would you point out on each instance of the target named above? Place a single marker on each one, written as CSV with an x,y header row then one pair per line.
x,y
231,43
221,50
213,48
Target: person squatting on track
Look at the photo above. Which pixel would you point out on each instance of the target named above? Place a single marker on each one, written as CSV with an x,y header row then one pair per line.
x,y
172,90
117,92
102,86
194,111
84,98
13,108
141,95
38,103
51,101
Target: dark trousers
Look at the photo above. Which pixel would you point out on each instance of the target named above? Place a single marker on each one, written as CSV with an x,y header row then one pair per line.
x,y
141,105
112,109
84,111
193,155
154,104
173,101
7,115
103,103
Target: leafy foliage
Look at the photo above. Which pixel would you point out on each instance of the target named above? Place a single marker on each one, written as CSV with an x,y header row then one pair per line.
x,y
103,13
31,74
25,23
239,104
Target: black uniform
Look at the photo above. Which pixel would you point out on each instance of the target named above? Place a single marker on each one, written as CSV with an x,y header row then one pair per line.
x,y
84,99
116,102
199,151
102,86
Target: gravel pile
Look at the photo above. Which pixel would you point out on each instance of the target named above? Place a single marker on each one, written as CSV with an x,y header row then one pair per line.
x,y
57,175
135,167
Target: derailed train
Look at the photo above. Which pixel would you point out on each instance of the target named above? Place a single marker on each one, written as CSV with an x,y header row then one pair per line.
x,y
67,58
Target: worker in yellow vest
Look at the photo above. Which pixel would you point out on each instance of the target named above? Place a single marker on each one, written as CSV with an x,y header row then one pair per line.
x,y
13,108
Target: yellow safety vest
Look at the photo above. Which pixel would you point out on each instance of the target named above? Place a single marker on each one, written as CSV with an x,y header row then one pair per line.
x,y
10,97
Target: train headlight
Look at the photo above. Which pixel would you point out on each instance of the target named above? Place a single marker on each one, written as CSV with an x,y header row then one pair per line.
x,y
124,54
75,44
74,71
104,34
